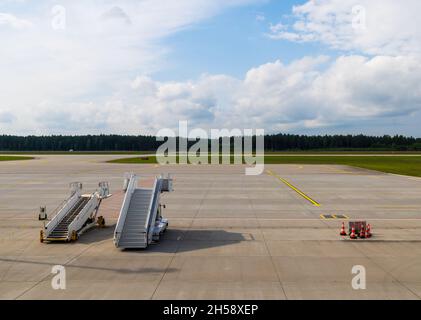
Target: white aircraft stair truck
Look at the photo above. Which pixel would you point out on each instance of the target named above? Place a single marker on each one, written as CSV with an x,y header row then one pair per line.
x,y
140,221
75,215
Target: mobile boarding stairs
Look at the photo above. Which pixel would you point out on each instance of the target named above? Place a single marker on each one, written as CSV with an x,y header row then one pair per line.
x,y
75,215
140,221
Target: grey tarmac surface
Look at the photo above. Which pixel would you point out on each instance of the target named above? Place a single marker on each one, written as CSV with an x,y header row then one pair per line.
x,y
231,236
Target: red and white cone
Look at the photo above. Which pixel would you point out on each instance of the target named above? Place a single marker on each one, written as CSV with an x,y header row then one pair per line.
x,y
343,232
353,235
368,232
362,232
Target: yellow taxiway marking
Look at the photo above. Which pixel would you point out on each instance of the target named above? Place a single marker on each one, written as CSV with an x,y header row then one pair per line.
x,y
342,216
315,203
334,216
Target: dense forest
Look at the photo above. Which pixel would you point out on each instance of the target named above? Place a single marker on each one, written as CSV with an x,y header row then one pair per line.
x,y
277,142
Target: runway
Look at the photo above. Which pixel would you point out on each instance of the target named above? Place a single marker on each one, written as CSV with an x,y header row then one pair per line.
x,y
231,236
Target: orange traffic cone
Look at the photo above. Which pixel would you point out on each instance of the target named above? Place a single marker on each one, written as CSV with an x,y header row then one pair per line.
x,y
343,232
362,232
368,232
353,235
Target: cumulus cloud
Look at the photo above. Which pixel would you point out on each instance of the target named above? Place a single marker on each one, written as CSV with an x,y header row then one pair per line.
x,y
6,117
306,94
116,14
9,20
95,57
94,76
354,87
302,94
376,27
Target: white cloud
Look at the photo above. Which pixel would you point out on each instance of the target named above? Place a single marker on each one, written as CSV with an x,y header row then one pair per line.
x,y
302,95
6,117
116,14
260,17
92,76
384,88
377,27
10,20
104,45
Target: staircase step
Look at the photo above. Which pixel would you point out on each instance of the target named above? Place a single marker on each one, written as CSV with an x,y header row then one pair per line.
x,y
61,230
134,233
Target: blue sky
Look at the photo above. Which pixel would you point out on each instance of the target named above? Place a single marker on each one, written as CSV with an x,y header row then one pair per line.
x,y
138,66
233,42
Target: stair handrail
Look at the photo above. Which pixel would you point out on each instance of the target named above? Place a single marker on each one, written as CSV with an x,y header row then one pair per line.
x,y
62,210
150,204
125,207
58,208
81,217
153,208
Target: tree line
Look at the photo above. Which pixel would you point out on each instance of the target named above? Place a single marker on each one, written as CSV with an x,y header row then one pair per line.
x,y
276,142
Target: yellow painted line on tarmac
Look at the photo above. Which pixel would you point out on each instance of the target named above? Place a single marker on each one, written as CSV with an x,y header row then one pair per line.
x,y
334,216
341,216
314,202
